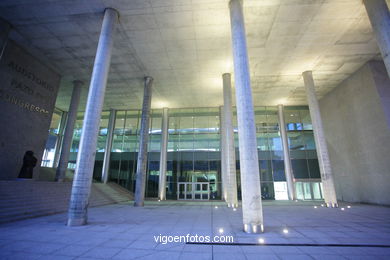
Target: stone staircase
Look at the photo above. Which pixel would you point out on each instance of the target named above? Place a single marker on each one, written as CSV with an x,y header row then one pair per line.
x,y
28,198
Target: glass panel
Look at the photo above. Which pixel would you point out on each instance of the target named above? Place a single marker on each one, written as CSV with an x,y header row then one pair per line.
x,y
280,190
181,191
299,190
189,191
307,191
316,190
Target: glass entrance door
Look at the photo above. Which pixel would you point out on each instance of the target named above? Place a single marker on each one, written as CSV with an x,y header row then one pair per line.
x,y
193,191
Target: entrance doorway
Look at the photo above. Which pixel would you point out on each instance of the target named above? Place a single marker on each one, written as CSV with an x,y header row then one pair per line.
x,y
193,191
309,190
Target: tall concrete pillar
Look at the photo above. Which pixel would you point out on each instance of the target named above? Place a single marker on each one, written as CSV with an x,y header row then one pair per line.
x,y
142,159
249,164
77,214
378,13
230,153
286,155
68,134
107,150
5,28
319,137
223,154
163,156
60,137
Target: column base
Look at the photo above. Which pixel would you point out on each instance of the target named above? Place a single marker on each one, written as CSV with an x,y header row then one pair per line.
x,y
332,205
253,228
232,205
77,222
138,204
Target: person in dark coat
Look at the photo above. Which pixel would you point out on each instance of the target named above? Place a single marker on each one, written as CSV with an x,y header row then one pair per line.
x,y
29,162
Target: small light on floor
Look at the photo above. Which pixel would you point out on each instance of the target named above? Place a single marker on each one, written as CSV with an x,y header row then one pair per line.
x,y
285,231
220,230
322,205
296,200
234,209
216,207
315,207
261,241
159,200
349,207
342,208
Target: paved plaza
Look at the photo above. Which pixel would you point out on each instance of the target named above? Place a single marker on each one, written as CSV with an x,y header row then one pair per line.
x,y
122,231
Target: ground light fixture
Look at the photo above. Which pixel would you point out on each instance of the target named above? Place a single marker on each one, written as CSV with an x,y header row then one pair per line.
x,y
261,240
285,231
220,230
342,208
315,207
216,207
234,209
322,205
348,206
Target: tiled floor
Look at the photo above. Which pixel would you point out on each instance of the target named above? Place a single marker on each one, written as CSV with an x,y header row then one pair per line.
x,y
125,232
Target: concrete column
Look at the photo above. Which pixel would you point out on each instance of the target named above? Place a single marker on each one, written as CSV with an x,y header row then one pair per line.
x,y
142,159
223,154
286,155
378,13
319,137
82,181
107,150
5,28
60,137
163,156
230,152
68,134
249,163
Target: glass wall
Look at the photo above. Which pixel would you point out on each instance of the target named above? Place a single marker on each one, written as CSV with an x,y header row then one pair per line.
x,y
194,150
101,142
52,139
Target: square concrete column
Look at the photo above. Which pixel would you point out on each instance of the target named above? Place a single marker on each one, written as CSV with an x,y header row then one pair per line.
x,y
107,150
68,134
228,140
142,159
249,163
286,155
378,13
319,137
77,214
163,156
223,154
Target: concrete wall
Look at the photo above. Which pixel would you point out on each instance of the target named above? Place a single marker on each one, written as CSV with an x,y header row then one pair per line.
x,y
28,90
356,122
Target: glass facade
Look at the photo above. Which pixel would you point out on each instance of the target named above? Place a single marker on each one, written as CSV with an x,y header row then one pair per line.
x,y
53,139
194,150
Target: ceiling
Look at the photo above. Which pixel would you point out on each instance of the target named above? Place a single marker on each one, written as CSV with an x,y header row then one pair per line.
x,y
185,46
